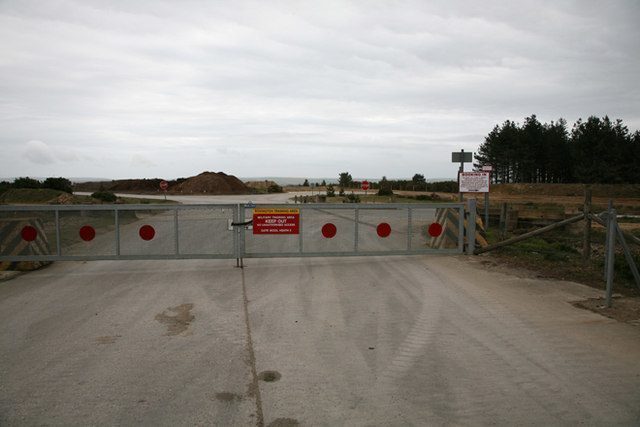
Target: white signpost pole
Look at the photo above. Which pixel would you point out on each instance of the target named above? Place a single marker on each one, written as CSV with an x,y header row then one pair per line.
x,y
460,195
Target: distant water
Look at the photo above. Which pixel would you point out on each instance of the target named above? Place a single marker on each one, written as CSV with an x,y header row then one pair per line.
x,y
299,181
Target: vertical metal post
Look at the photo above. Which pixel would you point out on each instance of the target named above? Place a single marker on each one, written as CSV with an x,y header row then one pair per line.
x,y
58,244
461,229
242,236
236,234
300,230
486,211
611,246
471,227
409,229
606,240
461,197
357,219
117,224
176,234
237,231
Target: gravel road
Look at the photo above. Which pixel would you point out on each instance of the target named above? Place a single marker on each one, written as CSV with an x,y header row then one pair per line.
x,y
416,340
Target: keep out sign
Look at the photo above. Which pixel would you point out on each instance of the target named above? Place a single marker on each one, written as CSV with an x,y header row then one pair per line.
x,y
276,221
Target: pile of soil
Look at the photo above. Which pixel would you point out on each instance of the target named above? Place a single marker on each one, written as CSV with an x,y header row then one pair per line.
x,y
205,183
210,183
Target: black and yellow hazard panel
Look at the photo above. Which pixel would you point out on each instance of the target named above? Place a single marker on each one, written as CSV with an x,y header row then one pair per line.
x,y
23,237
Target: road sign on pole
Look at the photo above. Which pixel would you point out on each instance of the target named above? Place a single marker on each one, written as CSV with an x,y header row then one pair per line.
x,y
461,158
164,185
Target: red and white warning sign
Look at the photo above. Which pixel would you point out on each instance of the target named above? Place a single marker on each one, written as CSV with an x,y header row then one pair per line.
x,y
276,221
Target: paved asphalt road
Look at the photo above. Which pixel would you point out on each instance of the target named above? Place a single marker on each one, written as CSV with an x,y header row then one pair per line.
x,y
200,199
422,340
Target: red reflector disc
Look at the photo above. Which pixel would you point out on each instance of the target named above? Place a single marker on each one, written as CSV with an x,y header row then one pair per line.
x,y
329,230
383,229
147,232
435,229
29,233
87,233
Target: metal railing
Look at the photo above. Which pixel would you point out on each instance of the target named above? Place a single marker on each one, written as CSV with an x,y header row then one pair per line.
x,y
135,232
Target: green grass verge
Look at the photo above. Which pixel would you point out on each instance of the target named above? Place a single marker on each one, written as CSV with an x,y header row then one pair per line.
x,y
30,195
558,254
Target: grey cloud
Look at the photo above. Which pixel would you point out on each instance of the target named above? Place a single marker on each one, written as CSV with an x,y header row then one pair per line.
x,y
39,153
242,80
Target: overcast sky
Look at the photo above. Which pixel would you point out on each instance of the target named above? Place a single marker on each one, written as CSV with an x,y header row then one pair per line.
x,y
135,88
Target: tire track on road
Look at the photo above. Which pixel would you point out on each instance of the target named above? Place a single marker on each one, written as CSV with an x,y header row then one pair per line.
x,y
254,387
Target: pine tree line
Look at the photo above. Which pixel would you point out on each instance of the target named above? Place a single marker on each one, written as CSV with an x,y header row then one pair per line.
x,y
597,150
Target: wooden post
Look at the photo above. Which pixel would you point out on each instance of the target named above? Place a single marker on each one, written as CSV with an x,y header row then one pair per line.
x,y
586,244
503,220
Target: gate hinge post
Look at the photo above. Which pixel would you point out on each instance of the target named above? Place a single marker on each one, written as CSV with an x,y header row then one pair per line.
x,y
471,226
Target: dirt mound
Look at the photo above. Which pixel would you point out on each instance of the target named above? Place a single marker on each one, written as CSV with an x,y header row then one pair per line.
x,y
210,183
205,183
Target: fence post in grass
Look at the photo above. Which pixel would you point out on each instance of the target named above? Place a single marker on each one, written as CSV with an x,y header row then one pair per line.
x,y
586,244
503,221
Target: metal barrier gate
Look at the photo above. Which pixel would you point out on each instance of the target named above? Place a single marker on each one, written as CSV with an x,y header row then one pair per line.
x,y
133,232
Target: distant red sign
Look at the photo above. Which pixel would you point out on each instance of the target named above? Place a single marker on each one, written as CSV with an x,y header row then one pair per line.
x,y
276,221
164,185
365,185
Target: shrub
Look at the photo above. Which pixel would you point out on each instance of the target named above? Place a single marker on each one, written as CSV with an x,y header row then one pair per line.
x,y
62,184
105,196
443,186
274,188
26,182
352,198
385,187
5,186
